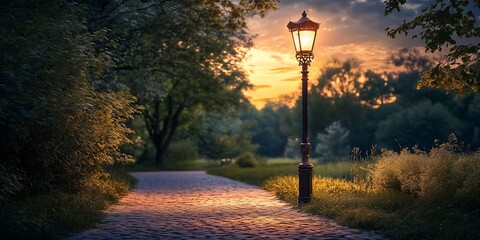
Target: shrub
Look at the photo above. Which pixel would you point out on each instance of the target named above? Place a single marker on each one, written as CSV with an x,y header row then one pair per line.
x,y
247,160
58,127
182,151
400,172
468,170
441,175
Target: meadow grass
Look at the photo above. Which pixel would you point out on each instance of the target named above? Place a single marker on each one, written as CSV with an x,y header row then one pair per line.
x,y
394,214
258,175
377,194
53,215
194,165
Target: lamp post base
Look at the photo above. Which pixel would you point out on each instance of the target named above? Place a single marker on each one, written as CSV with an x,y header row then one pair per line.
x,y
305,175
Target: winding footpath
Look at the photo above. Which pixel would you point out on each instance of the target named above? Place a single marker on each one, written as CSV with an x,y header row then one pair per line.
x,y
195,205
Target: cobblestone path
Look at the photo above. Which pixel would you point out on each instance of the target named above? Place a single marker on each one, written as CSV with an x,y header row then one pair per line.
x,y
194,205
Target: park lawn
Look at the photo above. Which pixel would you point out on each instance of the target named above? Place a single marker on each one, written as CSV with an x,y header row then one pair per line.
x,y
355,204
260,174
55,214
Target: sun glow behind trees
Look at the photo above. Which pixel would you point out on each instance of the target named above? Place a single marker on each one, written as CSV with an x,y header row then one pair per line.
x,y
275,75
344,33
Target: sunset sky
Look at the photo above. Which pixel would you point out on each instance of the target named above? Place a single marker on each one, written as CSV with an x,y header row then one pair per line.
x,y
348,29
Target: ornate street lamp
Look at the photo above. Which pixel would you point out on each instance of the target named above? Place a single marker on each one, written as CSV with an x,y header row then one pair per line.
x,y
303,33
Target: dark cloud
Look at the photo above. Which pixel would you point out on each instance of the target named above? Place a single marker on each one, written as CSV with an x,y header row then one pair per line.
x,y
358,21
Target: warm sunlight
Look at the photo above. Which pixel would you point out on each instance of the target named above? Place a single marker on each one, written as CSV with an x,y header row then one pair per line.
x,y
271,63
274,74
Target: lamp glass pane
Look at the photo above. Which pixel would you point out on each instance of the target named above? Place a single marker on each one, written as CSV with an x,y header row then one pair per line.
x,y
307,38
296,41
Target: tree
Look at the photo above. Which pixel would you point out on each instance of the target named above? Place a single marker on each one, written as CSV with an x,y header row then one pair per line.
x,y
375,91
402,84
267,133
419,125
181,57
446,24
333,145
292,148
340,95
224,136
59,129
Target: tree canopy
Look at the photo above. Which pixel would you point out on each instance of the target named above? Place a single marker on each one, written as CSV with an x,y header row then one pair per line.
x,y
59,128
450,25
180,57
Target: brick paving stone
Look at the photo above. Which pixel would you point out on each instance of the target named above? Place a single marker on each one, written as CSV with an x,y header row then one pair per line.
x,y
195,205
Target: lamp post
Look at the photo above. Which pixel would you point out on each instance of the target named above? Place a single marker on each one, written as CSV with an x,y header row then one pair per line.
x,y
303,33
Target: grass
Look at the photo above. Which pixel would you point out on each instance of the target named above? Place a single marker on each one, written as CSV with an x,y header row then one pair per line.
x,y
55,214
358,204
198,164
281,161
258,175
396,215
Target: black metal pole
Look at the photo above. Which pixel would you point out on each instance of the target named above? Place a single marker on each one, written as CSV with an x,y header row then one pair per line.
x,y
305,168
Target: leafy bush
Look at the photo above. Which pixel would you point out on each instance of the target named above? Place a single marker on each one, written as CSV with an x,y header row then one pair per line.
x,y
247,160
182,151
50,215
400,172
59,129
443,174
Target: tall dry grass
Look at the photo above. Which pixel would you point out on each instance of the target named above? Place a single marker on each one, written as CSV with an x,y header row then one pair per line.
x,y
444,174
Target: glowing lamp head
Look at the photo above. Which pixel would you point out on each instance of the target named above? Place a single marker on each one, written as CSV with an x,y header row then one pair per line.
x,y
303,33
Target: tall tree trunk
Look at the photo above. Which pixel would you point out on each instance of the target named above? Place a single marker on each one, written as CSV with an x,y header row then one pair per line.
x,y
160,155
162,131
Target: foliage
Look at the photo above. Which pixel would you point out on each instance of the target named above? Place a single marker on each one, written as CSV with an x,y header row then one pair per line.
x,y
420,124
446,24
246,160
53,214
340,95
269,137
333,145
59,130
382,109
441,174
393,214
180,57
448,210
220,135
184,150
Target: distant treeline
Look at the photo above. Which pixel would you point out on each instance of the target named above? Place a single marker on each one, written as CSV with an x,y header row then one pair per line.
x,y
349,108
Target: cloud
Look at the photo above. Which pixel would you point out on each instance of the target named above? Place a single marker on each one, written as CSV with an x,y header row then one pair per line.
x,y
262,86
342,22
264,100
283,69
291,79
277,57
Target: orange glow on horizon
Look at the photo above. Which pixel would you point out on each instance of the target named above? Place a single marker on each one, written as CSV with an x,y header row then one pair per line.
x,y
277,73
271,64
